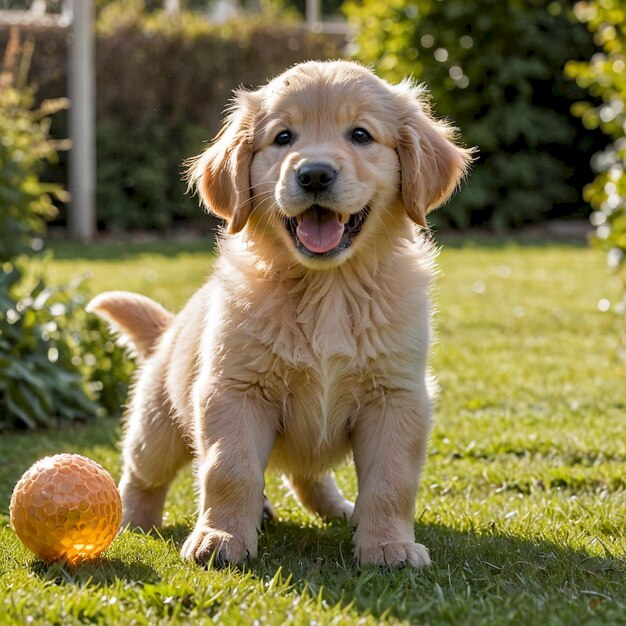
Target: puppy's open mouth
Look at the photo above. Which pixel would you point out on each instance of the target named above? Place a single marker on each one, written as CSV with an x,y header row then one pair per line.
x,y
320,232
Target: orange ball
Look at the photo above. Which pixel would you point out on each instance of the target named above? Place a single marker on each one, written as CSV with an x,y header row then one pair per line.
x,y
66,507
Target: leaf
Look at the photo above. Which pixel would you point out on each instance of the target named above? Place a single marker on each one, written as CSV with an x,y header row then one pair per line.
x,y
15,409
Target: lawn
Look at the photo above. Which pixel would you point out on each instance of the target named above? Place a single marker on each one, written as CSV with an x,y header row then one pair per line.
x,y
523,499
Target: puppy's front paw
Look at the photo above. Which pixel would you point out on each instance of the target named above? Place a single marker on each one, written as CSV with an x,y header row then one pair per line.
x,y
204,542
395,555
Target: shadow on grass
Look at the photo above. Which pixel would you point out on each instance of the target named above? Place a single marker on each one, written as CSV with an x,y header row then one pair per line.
x,y
474,575
176,533
495,571
102,570
468,567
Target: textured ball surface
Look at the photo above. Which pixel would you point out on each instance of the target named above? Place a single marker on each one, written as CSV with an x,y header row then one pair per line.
x,y
66,507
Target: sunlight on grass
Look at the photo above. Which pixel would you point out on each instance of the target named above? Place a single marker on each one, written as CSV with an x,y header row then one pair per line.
x,y
523,499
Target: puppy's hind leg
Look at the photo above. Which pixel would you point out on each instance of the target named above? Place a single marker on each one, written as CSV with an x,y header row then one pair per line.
x,y
153,451
322,496
153,448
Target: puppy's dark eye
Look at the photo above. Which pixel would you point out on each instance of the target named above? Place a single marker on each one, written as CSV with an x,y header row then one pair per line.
x,y
360,135
283,138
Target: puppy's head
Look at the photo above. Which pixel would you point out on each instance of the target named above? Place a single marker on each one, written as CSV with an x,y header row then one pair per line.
x,y
327,156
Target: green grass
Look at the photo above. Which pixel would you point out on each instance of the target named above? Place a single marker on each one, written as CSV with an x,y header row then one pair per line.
x,y
523,499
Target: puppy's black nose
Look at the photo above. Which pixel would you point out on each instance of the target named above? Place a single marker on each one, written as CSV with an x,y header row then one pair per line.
x,y
316,176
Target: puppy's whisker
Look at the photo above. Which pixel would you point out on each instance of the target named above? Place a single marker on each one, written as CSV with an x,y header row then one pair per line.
x,y
253,198
265,182
262,202
263,218
386,212
262,194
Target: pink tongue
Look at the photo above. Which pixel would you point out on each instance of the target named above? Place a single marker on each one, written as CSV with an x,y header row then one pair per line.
x,y
320,230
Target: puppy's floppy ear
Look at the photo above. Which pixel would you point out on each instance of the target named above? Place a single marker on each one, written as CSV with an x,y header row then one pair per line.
x,y
431,163
221,174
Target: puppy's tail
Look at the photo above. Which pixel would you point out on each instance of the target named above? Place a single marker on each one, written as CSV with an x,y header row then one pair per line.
x,y
141,319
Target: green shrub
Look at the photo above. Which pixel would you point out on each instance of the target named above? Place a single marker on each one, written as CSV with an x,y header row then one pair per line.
x,y
604,76
496,69
55,362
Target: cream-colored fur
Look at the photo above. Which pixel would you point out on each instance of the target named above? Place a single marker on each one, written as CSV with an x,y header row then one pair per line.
x,y
291,360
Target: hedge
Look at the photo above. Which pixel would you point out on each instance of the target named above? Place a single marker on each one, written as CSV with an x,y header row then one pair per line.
x,y
163,83
162,86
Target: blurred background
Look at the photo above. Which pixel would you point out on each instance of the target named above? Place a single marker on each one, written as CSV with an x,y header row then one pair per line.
x,y
539,86
534,84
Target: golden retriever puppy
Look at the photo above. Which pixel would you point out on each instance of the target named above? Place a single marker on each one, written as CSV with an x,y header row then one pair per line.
x,y
309,342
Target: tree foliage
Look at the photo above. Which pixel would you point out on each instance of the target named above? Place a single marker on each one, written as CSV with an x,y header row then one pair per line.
x,y
496,69
604,76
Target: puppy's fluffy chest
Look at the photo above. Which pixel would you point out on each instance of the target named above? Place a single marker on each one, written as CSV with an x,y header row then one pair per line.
x,y
317,408
361,311
319,345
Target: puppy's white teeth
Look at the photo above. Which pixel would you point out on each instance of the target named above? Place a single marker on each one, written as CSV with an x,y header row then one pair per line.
x,y
344,217
299,218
